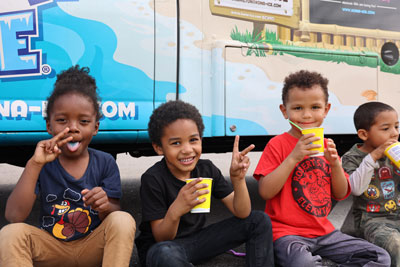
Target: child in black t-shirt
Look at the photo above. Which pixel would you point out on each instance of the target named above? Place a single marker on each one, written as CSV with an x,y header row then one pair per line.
x,y
170,234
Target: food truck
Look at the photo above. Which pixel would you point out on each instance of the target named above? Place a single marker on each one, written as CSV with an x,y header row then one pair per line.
x,y
226,57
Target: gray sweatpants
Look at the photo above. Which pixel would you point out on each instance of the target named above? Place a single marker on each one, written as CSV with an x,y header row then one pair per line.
x,y
345,250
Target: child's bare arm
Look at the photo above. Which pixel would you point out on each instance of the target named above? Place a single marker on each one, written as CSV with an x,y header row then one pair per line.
x,y
239,202
167,227
22,198
340,184
271,184
98,200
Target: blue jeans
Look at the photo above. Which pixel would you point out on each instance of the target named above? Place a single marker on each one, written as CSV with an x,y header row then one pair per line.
x,y
216,239
345,250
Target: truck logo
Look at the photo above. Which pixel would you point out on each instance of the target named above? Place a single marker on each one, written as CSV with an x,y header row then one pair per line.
x,y
19,27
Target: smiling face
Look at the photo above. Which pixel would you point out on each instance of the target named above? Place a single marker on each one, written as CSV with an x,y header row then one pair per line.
x,y
385,127
305,107
181,146
76,112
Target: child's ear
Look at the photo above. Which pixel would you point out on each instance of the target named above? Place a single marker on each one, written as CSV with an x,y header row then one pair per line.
x,y
96,128
362,134
158,149
327,108
283,110
48,127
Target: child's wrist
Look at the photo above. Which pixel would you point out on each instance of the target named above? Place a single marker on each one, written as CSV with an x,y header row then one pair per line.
x,y
374,156
336,164
34,163
291,160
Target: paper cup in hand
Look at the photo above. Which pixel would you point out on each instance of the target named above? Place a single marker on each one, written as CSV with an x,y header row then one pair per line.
x,y
319,132
205,206
393,153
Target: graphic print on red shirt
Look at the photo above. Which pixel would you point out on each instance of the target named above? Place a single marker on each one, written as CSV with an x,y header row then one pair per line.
x,y
311,186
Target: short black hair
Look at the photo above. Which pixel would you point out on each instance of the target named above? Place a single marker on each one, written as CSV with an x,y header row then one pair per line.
x,y
304,79
169,112
75,80
365,114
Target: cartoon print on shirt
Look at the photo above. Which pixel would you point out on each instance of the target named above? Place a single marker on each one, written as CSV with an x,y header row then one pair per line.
x,y
78,220
311,186
395,169
388,189
71,221
51,198
71,195
385,173
94,212
47,221
373,207
390,206
372,192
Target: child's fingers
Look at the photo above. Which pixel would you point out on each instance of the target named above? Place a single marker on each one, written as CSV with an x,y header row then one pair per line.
x,y
98,203
247,150
48,146
330,143
244,163
236,145
101,207
193,183
202,192
90,196
60,138
84,191
53,145
198,187
310,138
61,135
64,141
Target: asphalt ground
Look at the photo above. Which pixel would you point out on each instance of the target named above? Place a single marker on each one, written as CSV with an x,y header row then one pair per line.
x,y
131,169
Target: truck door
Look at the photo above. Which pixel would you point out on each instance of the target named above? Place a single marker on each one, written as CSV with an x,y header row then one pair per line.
x,y
167,45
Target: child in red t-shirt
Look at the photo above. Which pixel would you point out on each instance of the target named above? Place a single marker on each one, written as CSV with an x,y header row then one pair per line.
x,y
298,185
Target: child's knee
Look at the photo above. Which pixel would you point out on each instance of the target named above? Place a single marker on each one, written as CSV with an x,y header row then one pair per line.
x,y
166,252
13,234
12,231
392,246
298,255
261,219
121,221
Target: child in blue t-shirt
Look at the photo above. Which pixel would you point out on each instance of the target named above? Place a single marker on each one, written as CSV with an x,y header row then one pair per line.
x,y
79,189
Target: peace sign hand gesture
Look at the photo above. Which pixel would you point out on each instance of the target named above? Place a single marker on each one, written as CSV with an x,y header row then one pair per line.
x,y
240,162
48,150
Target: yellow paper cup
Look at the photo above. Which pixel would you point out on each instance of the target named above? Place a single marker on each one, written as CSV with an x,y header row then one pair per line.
x,y
205,206
393,153
319,132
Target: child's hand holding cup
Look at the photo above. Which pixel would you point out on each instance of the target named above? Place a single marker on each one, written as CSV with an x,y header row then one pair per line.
x,y
205,206
319,132
393,153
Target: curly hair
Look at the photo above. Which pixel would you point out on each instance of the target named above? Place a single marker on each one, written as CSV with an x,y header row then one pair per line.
x,y
304,80
168,113
365,114
75,80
